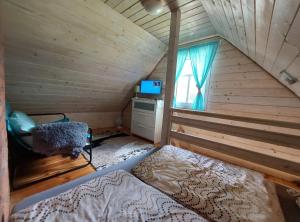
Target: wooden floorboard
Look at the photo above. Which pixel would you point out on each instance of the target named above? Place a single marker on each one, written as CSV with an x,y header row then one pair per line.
x,y
38,168
42,170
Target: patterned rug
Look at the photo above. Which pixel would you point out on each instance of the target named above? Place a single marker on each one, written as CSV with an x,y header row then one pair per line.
x,y
118,149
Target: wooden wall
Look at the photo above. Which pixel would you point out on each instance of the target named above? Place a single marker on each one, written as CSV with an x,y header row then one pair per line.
x,y
159,72
239,86
95,120
4,184
265,30
126,116
73,56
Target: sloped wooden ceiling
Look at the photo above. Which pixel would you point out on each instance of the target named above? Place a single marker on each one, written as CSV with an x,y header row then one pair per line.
x,y
195,22
268,31
73,55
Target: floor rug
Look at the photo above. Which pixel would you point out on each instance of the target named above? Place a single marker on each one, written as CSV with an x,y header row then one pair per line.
x,y
118,149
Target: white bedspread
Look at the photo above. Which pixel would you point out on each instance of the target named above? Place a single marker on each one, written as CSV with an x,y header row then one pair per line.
x,y
117,196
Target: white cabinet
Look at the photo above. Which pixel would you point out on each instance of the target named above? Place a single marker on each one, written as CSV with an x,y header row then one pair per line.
x,y
146,120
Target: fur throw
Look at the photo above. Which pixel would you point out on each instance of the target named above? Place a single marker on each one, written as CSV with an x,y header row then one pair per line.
x,y
60,138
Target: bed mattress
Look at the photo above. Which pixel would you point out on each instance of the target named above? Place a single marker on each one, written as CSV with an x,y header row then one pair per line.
x,y
214,189
117,196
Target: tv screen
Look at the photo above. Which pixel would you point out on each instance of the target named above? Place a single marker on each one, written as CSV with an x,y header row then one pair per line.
x,y
151,86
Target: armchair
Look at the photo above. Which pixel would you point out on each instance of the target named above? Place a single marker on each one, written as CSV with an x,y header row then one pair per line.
x,y
19,126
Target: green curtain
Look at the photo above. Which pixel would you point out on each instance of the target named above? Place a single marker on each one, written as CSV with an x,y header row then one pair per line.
x,y
202,57
181,57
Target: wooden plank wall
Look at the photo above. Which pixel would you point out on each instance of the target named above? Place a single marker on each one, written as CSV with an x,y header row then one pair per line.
x,y
238,86
95,120
159,72
126,116
4,182
265,30
73,56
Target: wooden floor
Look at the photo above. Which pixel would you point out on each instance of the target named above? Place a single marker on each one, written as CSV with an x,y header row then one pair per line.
x,y
44,167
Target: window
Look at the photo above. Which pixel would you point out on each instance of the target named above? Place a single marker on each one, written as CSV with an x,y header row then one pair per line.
x,y
192,72
186,88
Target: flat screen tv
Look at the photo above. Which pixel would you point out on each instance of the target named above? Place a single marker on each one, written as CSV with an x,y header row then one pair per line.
x,y
151,87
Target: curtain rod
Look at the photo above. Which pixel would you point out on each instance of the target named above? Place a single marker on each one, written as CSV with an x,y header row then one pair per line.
x,y
196,42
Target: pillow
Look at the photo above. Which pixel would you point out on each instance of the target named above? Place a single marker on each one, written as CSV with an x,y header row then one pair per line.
x,y
7,114
7,110
21,123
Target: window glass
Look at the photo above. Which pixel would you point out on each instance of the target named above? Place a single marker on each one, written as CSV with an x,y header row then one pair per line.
x,y
182,88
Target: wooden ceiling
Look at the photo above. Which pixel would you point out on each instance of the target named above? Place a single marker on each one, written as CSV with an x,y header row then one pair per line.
x,y
195,22
268,31
73,56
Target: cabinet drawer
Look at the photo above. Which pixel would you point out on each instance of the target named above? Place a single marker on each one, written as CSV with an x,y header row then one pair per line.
x,y
144,106
145,119
142,130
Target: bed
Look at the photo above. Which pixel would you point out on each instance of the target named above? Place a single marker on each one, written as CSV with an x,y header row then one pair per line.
x,y
181,186
116,196
216,190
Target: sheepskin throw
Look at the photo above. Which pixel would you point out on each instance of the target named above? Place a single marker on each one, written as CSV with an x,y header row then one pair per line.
x,y
60,138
